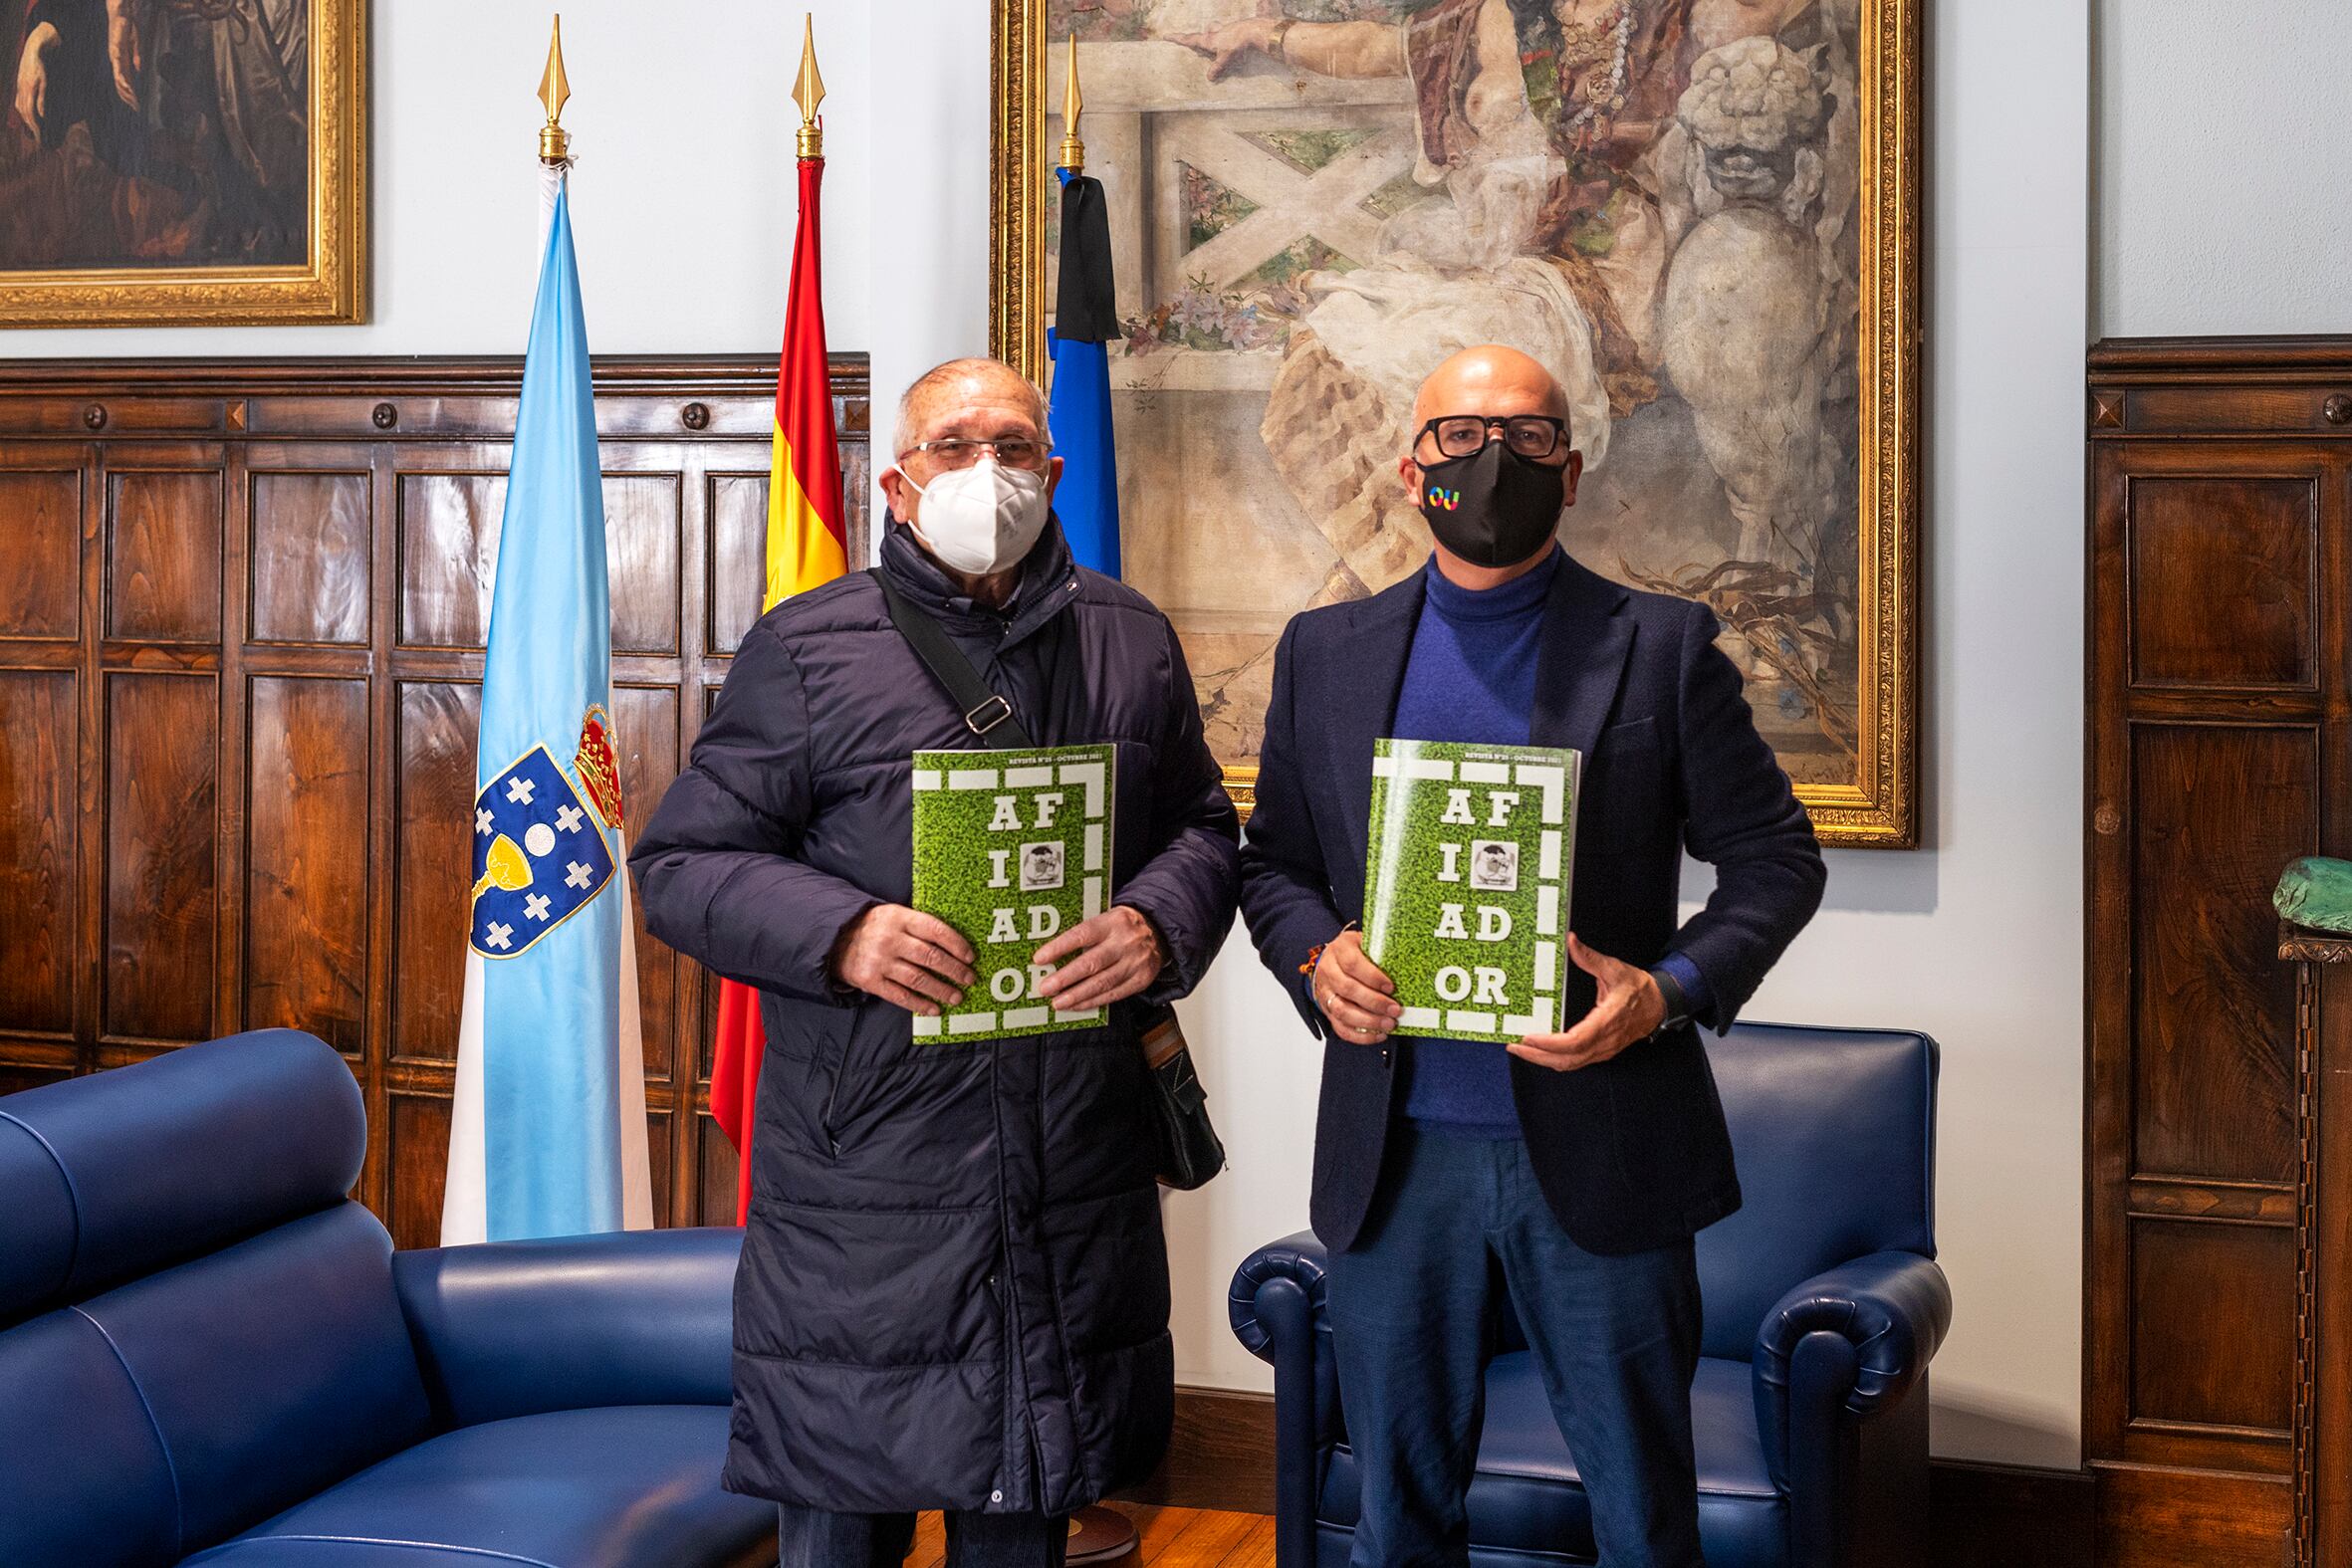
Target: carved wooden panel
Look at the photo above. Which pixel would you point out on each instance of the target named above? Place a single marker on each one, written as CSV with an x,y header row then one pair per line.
x,y
2196,1284
642,520
2224,575
41,566
240,683
309,557
2217,812
739,536
418,1136
647,718
305,901
164,554
162,869
448,556
38,865
719,1173
433,791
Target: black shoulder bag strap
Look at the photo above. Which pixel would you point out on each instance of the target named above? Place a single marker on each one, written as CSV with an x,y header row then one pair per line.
x,y
1190,1150
985,714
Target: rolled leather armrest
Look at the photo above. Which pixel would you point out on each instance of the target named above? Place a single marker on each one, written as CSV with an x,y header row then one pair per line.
x,y
1280,1282
1879,1320
516,1328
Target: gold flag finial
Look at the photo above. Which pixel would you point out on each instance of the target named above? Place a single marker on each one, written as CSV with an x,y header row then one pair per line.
x,y
1073,152
554,146
808,91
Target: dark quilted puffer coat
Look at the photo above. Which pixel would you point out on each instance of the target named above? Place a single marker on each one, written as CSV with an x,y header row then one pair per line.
x,y
954,1292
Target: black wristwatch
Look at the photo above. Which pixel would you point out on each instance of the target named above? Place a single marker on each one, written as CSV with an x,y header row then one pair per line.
x,y
1678,1004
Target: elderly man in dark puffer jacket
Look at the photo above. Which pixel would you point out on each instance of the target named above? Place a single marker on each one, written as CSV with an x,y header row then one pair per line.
x,y
954,1292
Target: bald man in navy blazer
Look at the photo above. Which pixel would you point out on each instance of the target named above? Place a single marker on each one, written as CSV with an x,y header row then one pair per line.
x,y
1572,1168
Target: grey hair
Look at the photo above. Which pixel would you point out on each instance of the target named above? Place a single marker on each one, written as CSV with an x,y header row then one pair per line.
x,y
940,376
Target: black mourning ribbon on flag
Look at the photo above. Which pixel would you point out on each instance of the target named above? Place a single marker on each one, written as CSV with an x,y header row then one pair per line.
x,y
1084,309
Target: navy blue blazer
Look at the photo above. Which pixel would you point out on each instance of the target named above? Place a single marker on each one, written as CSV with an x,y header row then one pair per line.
x,y
1631,1153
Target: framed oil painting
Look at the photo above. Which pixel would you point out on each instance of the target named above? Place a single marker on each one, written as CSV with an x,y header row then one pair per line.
x,y
1701,214
182,163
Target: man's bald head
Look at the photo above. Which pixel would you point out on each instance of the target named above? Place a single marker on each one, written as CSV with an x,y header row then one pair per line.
x,y
963,388
1488,379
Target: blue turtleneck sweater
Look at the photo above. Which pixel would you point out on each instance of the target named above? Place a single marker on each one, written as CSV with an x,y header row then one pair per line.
x,y
1471,677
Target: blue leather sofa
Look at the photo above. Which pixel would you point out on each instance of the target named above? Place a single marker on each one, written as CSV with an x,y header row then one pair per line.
x,y
209,1354
1823,1308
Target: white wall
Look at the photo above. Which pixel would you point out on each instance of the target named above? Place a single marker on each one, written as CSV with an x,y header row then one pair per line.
x,y
1977,939
2202,229
685,208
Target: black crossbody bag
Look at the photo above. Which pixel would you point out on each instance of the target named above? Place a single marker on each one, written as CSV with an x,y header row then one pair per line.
x,y
1190,1150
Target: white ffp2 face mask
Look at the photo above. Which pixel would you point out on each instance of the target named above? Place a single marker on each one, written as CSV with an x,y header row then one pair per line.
x,y
981,519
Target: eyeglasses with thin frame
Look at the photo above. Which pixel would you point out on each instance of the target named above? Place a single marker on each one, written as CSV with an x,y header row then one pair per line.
x,y
1466,435
953,452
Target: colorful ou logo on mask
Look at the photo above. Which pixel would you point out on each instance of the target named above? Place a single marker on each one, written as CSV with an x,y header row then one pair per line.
x,y
1449,499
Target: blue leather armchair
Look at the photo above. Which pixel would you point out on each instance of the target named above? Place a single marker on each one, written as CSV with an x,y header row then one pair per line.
x,y
1824,1306
209,1354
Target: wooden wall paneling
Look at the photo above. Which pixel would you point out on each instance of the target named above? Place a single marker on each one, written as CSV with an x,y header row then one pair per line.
x,y
259,593
2218,698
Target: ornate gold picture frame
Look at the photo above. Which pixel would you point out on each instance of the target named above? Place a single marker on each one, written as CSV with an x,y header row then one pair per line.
x,y
1309,208
183,166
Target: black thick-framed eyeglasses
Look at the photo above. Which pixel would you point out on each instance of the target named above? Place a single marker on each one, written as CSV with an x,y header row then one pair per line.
x,y
1466,435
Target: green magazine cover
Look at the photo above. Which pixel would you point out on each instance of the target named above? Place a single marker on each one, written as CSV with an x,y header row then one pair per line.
x,y
1011,848
1466,889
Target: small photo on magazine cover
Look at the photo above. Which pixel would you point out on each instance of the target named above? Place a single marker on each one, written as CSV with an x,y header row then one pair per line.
x,y
1041,867
1493,866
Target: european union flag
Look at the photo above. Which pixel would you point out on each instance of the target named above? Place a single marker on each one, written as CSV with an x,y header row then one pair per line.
x,y
1085,320
539,855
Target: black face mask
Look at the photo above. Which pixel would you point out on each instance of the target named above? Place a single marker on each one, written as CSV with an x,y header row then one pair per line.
x,y
1495,509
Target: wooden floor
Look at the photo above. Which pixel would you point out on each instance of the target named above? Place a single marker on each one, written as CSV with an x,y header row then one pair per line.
x,y
1171,1537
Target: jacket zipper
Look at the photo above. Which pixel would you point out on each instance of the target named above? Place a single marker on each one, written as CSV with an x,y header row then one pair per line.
x,y
832,1097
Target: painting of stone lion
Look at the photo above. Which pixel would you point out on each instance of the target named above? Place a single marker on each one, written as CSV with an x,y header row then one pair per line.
x,y
1315,202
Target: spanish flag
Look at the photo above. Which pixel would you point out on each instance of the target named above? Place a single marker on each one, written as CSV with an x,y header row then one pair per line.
x,y
808,533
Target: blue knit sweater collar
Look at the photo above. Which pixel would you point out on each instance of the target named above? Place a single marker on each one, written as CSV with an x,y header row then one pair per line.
x,y
1506,601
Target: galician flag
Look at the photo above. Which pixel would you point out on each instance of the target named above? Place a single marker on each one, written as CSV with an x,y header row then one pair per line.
x,y
808,545
548,1131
